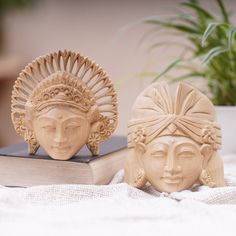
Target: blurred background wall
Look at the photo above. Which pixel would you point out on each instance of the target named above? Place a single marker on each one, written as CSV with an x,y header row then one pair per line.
x,y
95,29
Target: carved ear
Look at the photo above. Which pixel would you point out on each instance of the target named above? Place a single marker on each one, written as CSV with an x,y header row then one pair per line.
x,y
140,149
95,127
93,114
207,152
139,179
29,136
134,172
29,124
29,119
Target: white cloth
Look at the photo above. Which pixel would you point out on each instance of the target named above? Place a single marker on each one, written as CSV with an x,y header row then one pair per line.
x,y
119,209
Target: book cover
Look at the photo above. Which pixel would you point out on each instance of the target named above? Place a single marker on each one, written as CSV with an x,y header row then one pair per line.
x,y
109,146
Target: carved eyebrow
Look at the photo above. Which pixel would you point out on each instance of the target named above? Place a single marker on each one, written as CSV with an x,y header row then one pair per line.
x,y
160,147
75,120
185,145
160,143
46,118
185,151
158,152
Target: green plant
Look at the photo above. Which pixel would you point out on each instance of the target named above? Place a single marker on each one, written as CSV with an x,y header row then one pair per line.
x,y
210,38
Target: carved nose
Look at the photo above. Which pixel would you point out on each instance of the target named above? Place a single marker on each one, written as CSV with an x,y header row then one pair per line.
x,y
59,136
172,169
171,166
169,169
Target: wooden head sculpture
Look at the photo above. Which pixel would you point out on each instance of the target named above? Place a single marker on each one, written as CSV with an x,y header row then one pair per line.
x,y
173,140
62,101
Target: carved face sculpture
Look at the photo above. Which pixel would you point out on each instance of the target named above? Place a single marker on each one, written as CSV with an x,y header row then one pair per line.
x,y
173,143
61,131
62,101
173,163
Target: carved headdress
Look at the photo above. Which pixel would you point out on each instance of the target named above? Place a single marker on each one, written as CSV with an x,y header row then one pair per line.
x,y
70,79
157,113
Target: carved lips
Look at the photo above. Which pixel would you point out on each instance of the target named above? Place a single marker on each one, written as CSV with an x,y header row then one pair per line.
x,y
172,179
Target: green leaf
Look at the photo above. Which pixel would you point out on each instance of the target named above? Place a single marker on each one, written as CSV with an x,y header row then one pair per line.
x,y
170,43
198,9
188,19
213,53
223,11
148,20
210,28
231,36
167,69
123,30
179,27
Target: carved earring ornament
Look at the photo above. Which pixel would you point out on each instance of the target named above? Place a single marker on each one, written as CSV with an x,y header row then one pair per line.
x,y
140,179
62,101
173,140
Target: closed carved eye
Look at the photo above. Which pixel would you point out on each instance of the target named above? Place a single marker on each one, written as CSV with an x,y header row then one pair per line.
x,y
72,127
49,128
159,154
186,154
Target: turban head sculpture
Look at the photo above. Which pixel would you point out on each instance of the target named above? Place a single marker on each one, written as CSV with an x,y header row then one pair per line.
x,y
62,101
173,140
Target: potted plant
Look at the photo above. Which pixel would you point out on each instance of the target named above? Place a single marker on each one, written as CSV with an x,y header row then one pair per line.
x,y
213,57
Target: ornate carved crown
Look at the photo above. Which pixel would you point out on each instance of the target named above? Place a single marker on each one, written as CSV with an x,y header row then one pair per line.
x,y
65,78
62,88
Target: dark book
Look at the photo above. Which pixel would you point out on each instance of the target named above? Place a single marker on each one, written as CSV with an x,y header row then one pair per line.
x,y
18,168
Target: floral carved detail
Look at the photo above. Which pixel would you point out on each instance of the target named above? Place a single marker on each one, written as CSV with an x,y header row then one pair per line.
x,y
139,135
60,86
139,175
208,134
104,129
140,179
31,140
27,134
206,179
93,143
19,124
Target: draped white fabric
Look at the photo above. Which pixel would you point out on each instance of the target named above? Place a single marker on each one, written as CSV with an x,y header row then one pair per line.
x,y
119,209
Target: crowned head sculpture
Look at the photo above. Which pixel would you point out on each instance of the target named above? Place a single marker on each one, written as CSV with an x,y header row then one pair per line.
x,y
62,101
173,140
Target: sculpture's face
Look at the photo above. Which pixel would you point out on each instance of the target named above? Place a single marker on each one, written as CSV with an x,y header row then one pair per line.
x,y
61,131
172,163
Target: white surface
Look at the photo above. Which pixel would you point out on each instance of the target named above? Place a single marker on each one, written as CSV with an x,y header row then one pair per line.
x,y
119,209
226,116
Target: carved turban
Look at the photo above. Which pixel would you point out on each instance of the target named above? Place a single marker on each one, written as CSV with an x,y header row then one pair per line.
x,y
189,113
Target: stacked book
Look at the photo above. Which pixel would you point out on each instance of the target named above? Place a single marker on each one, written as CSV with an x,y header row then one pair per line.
x,y
17,168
